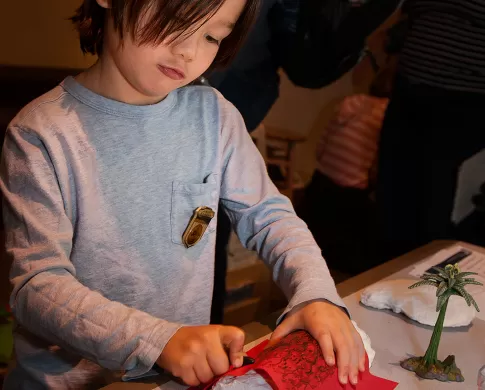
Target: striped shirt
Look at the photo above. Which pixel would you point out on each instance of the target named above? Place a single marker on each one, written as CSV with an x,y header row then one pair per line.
x,y
348,148
445,44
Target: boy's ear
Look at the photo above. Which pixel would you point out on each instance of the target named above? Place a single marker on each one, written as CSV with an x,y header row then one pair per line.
x,y
104,3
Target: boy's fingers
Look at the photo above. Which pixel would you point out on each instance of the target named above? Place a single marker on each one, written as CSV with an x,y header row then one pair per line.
x,y
352,342
326,345
282,330
233,338
190,378
203,371
362,365
362,353
360,349
218,360
238,359
343,356
354,361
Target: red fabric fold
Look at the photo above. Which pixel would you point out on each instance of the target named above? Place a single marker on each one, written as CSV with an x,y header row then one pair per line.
x,y
297,363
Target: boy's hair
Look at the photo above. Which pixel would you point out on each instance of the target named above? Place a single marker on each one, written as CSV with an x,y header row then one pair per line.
x,y
169,17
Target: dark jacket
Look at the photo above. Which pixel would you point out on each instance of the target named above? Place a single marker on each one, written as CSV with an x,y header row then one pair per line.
x,y
251,82
314,50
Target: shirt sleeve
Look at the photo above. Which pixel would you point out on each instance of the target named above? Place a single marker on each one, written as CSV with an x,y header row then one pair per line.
x,y
47,299
265,221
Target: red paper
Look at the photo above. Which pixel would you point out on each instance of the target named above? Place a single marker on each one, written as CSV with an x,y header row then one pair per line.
x,y
297,363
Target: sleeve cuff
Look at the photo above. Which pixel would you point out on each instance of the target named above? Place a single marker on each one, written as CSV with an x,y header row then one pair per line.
x,y
309,295
149,351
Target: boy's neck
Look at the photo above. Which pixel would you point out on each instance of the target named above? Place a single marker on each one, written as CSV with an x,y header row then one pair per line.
x,y
105,79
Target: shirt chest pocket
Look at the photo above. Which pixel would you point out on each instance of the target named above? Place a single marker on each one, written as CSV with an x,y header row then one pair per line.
x,y
186,198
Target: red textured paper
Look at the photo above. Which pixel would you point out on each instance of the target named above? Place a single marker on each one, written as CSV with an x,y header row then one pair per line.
x,y
296,363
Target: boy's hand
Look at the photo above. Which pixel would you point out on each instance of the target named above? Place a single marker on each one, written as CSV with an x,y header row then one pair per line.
x,y
196,354
331,327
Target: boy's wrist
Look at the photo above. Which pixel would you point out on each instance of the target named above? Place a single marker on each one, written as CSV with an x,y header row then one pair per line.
x,y
151,349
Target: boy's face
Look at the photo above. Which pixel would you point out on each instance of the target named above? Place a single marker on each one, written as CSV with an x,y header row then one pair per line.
x,y
154,71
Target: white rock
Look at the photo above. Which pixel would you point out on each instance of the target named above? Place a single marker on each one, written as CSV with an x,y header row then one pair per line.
x,y
418,303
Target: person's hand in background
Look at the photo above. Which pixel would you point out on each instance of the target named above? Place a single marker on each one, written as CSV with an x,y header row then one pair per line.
x,y
196,354
333,330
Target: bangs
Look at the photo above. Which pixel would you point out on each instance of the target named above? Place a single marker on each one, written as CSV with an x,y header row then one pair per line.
x,y
152,22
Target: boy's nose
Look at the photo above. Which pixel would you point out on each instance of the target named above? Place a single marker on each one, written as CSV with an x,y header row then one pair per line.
x,y
186,48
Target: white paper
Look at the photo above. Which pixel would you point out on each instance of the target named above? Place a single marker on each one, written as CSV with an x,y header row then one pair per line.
x,y
473,263
249,381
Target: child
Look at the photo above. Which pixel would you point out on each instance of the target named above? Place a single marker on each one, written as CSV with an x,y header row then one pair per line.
x,y
110,182
337,206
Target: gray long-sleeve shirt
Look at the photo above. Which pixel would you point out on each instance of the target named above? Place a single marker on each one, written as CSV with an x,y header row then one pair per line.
x,y
97,195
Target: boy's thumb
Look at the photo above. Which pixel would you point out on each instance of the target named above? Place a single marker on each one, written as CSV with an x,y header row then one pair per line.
x,y
233,339
281,331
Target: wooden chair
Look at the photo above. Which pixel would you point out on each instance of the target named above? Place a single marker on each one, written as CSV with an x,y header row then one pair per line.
x,y
263,136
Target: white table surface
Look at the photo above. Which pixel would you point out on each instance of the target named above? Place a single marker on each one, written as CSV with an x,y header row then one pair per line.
x,y
394,337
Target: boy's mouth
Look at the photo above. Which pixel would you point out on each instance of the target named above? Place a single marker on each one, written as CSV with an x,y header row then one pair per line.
x,y
173,73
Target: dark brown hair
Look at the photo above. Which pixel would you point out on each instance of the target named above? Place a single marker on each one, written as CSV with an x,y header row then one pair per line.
x,y
168,17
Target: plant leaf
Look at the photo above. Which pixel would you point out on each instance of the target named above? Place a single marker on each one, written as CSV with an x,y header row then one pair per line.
x,y
438,278
441,289
451,282
474,303
461,275
442,299
441,272
424,283
469,299
471,281
464,294
453,292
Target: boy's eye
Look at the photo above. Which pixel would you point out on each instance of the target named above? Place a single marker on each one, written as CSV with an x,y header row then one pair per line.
x,y
212,40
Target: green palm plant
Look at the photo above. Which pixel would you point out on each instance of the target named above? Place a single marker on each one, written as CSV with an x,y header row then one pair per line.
x,y
448,281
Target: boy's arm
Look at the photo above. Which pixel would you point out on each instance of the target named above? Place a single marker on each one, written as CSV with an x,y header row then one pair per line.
x,y
265,221
47,298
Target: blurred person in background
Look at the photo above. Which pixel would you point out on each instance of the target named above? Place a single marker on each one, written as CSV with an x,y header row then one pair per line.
x,y
338,205
434,122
